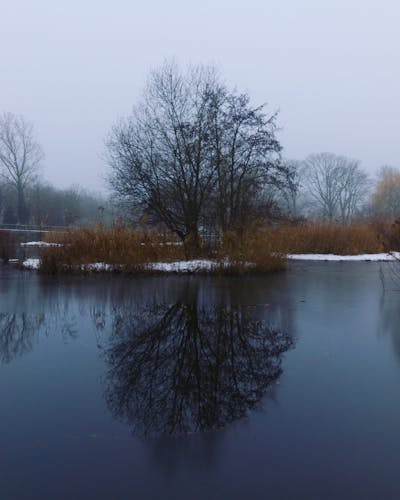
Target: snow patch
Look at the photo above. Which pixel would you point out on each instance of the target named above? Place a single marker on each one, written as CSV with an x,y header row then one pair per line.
x,y
40,244
98,266
183,266
31,264
204,265
370,257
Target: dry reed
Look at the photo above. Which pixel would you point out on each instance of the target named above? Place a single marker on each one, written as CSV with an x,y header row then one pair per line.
x,y
326,238
257,250
120,246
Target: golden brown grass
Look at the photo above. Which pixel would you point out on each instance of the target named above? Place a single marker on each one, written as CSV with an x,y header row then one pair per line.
x,y
389,234
251,251
263,249
325,237
119,245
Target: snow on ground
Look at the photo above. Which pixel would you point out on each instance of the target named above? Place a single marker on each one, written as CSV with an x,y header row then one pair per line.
x,y
40,244
98,266
31,264
194,266
375,257
183,266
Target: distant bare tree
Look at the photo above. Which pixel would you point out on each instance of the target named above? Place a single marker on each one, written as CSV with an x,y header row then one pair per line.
x,y
20,157
337,185
386,194
355,187
287,195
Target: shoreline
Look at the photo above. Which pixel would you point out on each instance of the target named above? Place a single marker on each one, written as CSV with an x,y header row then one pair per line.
x,y
206,266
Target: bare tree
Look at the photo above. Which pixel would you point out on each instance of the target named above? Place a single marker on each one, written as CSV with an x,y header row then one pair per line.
x,y
386,194
158,158
355,186
287,195
246,155
192,152
20,157
336,184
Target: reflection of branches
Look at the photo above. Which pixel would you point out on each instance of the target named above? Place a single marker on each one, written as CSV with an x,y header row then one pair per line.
x,y
390,319
180,369
16,334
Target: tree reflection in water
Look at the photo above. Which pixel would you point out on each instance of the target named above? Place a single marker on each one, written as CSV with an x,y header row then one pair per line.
x,y
19,331
182,368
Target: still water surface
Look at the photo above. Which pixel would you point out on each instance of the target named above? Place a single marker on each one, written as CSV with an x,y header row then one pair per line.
x,y
267,387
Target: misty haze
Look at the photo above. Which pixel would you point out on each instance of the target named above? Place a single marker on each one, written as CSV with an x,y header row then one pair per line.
x,y
199,250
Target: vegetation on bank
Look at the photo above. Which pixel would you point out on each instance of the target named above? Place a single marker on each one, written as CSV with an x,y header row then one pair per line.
x,y
261,250
131,251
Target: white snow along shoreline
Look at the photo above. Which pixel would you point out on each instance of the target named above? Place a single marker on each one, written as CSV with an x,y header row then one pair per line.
x,y
193,266
366,257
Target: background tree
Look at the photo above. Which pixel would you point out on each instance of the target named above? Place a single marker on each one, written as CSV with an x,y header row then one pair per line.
x,y
336,184
20,157
63,207
193,154
287,196
50,206
386,195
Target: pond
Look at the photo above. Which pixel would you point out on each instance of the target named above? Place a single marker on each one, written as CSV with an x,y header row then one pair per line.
x,y
283,386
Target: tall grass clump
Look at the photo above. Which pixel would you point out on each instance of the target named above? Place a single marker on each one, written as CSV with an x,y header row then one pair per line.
x,y
250,251
119,246
326,238
389,233
255,249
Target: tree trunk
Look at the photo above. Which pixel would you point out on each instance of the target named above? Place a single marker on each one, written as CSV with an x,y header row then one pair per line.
x,y
22,211
191,243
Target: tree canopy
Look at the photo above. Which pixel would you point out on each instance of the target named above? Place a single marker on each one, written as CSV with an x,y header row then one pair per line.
x,y
194,154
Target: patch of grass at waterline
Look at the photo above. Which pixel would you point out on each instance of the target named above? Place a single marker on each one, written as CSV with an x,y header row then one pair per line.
x,y
127,250
389,231
251,251
326,238
260,250
118,246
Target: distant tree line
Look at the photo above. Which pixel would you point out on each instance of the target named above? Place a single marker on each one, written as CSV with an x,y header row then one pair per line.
x,y
24,197
336,188
196,158
49,206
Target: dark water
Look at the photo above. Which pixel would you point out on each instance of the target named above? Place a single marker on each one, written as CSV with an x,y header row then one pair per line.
x,y
280,387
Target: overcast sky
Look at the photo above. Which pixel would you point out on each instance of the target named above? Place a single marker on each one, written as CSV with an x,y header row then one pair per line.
x,y
330,66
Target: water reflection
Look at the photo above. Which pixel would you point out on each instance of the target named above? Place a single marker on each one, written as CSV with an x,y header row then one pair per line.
x,y
187,367
389,323
18,331
182,355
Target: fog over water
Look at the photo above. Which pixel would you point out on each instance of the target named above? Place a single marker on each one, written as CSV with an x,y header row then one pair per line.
x,y
330,67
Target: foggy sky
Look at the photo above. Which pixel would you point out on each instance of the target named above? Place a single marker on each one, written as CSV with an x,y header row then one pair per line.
x,y
330,66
